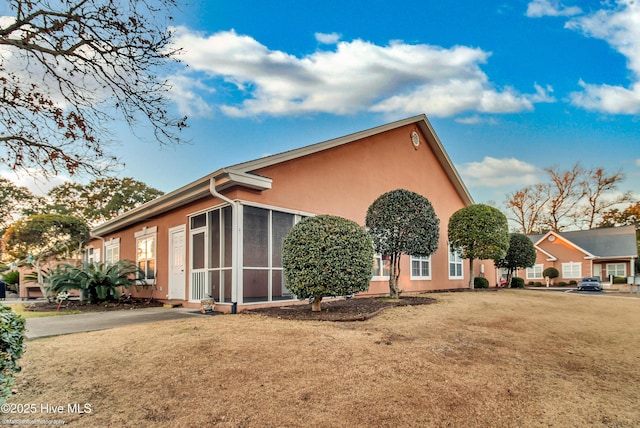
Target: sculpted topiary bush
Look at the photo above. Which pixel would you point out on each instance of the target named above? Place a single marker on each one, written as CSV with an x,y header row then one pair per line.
x,y
402,222
517,282
327,256
480,282
11,348
550,273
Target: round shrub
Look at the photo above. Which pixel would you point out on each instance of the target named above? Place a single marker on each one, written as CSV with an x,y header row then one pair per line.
x,y
11,278
562,284
550,272
537,284
11,348
327,256
517,282
573,282
480,282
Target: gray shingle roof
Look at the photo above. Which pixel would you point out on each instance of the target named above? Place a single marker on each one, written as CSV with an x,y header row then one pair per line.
x,y
605,242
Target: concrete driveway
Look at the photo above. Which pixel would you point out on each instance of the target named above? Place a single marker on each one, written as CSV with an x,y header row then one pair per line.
x,y
68,324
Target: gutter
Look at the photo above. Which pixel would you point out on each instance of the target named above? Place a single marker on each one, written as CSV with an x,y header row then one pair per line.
x,y
234,242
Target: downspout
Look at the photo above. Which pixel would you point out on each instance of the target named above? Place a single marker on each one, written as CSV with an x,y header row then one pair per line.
x,y
234,243
104,244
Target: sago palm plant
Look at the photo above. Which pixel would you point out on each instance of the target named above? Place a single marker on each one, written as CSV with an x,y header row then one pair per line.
x,y
102,281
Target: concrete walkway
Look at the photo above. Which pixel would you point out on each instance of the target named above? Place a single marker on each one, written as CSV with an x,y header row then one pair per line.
x,y
68,324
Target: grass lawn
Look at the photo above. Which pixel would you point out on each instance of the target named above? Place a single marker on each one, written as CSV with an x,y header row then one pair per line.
x,y
19,309
499,359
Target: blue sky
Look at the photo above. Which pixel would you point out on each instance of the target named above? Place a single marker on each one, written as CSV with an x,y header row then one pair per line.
x,y
511,87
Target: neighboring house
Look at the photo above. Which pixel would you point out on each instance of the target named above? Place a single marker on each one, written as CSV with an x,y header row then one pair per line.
x,y
604,253
222,234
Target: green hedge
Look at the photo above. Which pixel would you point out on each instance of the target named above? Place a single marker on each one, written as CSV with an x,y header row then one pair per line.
x,y
517,282
480,282
11,348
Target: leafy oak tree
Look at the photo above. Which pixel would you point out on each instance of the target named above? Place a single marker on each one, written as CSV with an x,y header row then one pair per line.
x,y
521,254
15,202
101,199
402,222
69,69
39,237
326,256
479,232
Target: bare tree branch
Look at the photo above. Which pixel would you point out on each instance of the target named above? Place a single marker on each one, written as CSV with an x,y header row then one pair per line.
x,y
68,69
566,190
527,206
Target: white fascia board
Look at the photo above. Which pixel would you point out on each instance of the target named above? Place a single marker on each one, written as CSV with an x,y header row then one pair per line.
x,y
230,177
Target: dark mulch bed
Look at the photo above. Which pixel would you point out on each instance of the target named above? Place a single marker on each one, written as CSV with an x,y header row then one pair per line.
x,y
76,305
357,309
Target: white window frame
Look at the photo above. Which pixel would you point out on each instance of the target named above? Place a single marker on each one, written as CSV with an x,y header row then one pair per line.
x,y
112,247
455,258
421,260
148,233
377,275
568,270
535,272
93,255
624,269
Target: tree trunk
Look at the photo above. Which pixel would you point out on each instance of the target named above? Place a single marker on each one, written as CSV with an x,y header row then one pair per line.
x,y
315,304
471,277
394,274
508,279
43,287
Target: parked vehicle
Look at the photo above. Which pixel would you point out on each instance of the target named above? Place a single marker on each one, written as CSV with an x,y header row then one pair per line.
x,y
589,284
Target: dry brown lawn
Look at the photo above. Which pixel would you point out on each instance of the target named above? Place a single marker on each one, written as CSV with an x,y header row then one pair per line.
x,y
500,359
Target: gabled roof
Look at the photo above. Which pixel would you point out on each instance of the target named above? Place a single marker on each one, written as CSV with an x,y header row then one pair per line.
x,y
242,174
608,242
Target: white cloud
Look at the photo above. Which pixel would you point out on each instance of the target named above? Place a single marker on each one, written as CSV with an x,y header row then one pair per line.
x,y
185,92
328,39
355,76
540,8
34,180
493,172
620,28
476,120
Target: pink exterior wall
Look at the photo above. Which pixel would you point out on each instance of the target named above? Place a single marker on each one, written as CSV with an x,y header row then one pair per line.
x,y
342,181
345,180
564,253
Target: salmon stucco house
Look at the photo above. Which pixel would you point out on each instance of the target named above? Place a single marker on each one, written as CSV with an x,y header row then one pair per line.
x,y
221,235
604,253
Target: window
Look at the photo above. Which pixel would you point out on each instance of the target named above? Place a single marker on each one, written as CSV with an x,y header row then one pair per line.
x,y
381,267
455,264
616,269
146,251
112,251
92,255
535,272
420,267
572,270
